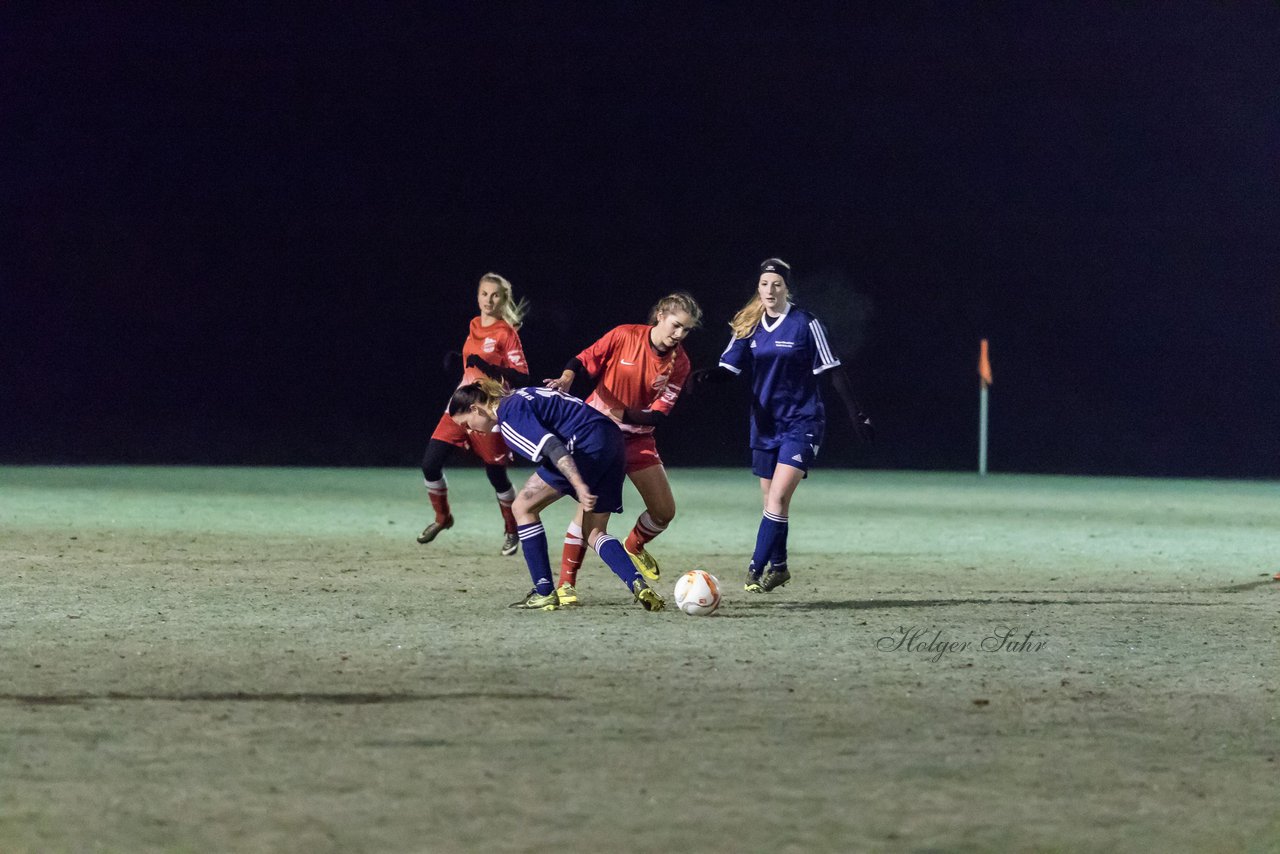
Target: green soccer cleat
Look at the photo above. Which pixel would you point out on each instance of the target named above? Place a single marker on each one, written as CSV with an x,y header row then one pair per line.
x,y
536,601
753,584
775,578
645,564
647,596
510,544
429,533
567,596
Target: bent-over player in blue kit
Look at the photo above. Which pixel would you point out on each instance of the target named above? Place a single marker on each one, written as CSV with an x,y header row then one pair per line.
x,y
785,350
582,456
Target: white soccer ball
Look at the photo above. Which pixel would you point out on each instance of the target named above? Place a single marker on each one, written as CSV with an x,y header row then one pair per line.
x,y
698,593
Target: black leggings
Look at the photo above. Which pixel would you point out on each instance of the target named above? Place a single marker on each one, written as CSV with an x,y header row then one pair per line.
x,y
437,452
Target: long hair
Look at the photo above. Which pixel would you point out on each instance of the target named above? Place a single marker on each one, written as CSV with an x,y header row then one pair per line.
x,y
509,309
678,301
486,392
744,323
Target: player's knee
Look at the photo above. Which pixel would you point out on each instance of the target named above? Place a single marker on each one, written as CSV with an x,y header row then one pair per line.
x,y
433,460
664,514
498,478
523,509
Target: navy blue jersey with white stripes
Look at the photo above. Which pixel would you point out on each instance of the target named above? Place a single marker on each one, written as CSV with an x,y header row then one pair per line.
x,y
785,355
529,416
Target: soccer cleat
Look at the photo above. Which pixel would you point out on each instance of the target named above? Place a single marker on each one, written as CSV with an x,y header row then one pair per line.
x,y
647,596
510,544
429,533
535,601
567,596
775,578
644,563
753,583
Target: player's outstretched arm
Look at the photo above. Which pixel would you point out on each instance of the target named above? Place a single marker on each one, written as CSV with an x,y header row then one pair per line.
x,y
861,422
639,417
510,376
565,381
718,374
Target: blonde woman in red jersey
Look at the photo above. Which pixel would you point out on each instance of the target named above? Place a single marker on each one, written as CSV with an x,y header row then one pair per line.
x,y
493,350
639,370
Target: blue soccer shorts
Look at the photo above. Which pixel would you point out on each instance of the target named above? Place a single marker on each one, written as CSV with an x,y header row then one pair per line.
x,y
601,458
799,452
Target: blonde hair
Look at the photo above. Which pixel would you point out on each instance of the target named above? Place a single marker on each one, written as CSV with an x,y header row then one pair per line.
x,y
744,323
485,392
509,309
678,301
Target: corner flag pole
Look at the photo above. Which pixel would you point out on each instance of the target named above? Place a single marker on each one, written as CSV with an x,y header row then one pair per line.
x,y
984,376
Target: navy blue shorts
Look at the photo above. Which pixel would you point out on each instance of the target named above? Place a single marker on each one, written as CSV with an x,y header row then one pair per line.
x,y
796,451
601,457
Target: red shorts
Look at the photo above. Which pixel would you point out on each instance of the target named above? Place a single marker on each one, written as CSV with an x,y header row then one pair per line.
x,y
489,447
642,451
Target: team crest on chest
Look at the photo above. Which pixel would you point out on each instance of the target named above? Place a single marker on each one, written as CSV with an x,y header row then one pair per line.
x,y
490,344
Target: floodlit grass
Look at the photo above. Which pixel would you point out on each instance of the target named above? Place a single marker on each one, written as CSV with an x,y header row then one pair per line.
x,y
264,659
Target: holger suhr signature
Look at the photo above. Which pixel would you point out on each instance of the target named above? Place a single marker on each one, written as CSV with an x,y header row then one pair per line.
x,y
933,643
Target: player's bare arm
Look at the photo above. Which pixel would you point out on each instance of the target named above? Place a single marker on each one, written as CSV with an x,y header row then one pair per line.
x,y
559,455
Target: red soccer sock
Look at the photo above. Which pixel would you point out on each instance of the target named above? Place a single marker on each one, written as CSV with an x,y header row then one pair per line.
x,y
644,531
438,490
504,504
575,550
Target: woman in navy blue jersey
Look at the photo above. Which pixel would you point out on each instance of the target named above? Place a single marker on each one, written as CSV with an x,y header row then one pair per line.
x,y
582,455
785,350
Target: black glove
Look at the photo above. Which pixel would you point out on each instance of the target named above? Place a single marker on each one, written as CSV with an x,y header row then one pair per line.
x,y
453,362
717,374
474,361
863,427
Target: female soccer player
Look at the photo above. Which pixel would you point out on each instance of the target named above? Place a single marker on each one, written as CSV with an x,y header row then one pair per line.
x,y
492,350
582,455
639,370
786,349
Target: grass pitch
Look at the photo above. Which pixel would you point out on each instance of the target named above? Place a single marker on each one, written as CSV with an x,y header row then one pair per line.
x,y
265,660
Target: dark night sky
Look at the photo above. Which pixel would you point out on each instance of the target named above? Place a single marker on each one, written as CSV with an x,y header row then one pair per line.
x,y
247,236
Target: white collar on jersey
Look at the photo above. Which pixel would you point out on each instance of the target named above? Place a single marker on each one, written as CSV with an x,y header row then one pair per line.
x,y
764,318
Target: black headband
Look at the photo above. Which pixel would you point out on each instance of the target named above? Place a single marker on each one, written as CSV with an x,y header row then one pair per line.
x,y
777,266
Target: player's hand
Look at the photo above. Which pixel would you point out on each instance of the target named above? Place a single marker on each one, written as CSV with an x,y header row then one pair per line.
x,y
585,499
474,361
452,362
560,383
863,427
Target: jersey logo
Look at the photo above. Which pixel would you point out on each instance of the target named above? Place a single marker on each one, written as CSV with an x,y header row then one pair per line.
x,y
784,344
625,362
753,344
514,357
798,458
490,344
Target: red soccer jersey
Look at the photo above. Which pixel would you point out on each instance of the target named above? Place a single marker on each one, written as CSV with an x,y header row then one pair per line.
x,y
498,344
632,375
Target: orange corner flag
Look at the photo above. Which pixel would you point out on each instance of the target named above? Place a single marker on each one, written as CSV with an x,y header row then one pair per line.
x,y
984,364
